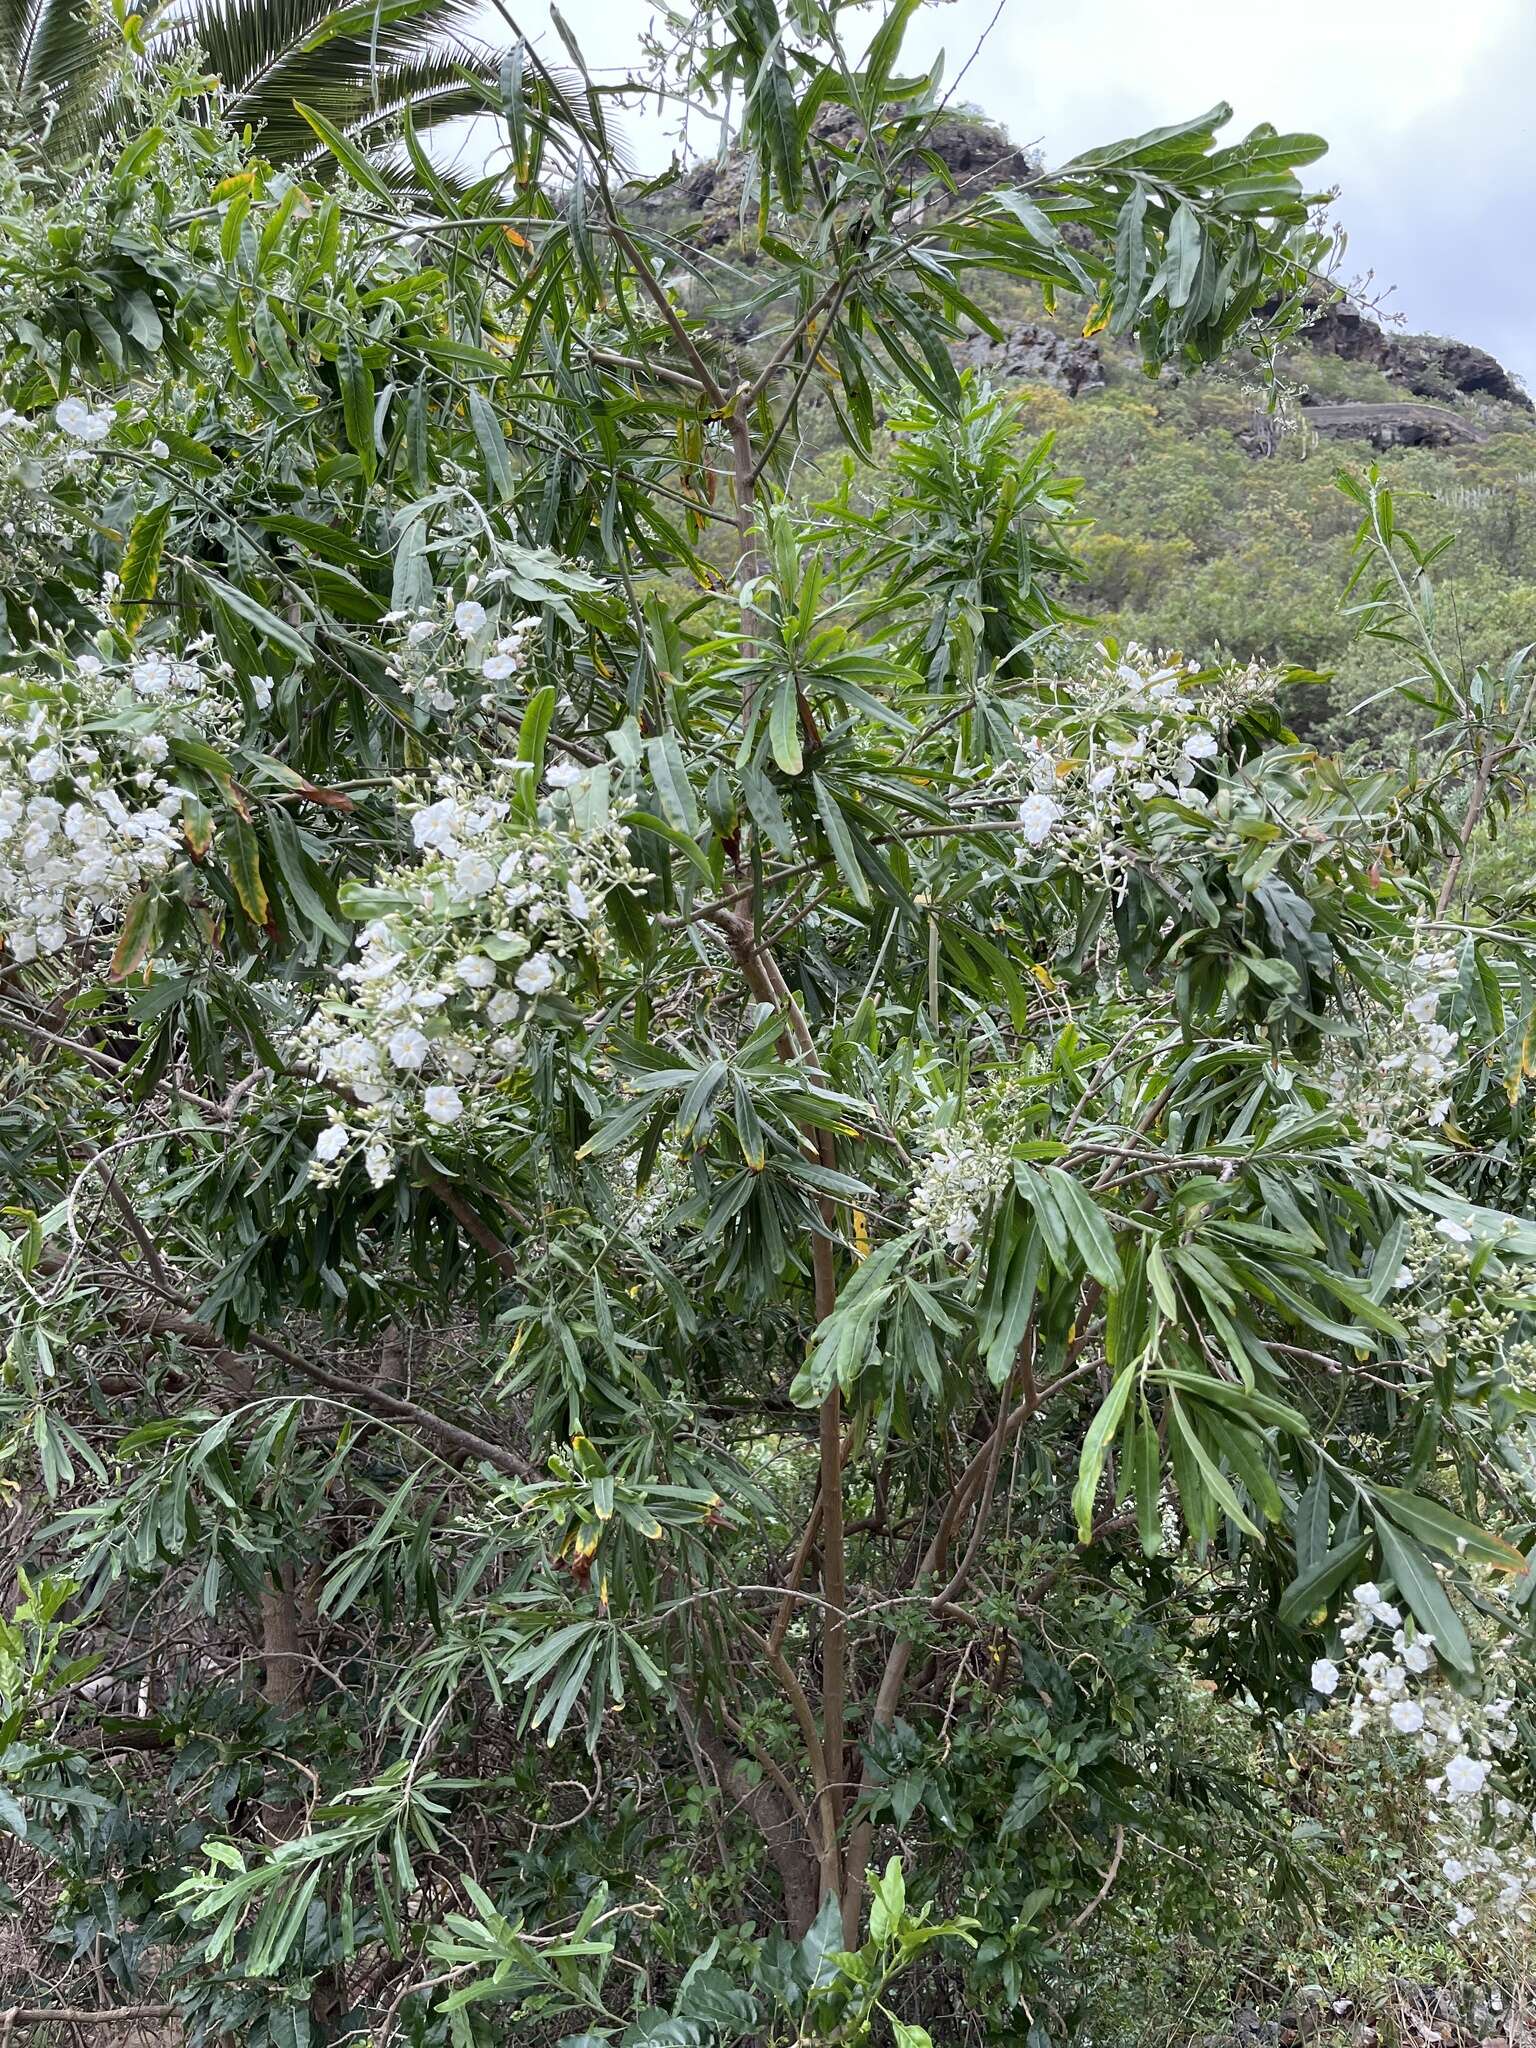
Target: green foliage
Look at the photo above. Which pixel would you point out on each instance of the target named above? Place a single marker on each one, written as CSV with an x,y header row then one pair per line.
x,y
695,1202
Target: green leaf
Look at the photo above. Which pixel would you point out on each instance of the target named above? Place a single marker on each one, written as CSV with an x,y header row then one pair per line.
x,y
1312,1589
1415,1579
841,841
139,570
492,444
351,159
908,2034
357,401
1184,245
669,773
254,613
1211,1474
1446,1532
1147,1478
784,727
533,732
1086,1227
242,856
1090,1464
888,1902
775,118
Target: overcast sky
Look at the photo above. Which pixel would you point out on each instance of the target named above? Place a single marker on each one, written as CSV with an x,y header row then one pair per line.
x,y
1427,108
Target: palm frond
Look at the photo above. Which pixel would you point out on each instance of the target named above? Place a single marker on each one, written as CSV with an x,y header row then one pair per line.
x,y
55,62
359,64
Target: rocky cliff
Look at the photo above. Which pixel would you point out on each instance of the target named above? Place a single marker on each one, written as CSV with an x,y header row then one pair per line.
x,y
707,207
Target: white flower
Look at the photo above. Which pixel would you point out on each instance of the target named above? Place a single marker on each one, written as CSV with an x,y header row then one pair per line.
x,y
434,825
1453,1870
563,775
332,1142
457,1057
158,449
1325,1677
1452,1231
536,974
379,1162
473,874
475,971
1102,778
74,417
1407,1717
423,629
153,747
1419,1655
469,617
1368,1595
502,1007
1038,815
962,1227
1403,1278
497,667
576,901
261,692
1465,1776
89,664
44,764
1127,750
408,1048
1200,746
443,1105
1422,1008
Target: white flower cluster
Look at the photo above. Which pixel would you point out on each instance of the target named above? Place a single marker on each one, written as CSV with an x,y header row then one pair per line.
x,y
85,820
82,422
498,912
1403,1082
1484,1841
1134,727
966,1169
449,656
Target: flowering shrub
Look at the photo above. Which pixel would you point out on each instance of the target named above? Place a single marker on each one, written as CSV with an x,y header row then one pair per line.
x,y
90,808
874,1231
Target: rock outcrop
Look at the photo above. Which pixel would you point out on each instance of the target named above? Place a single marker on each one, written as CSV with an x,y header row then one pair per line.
x,y
1036,355
1421,363
1393,426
